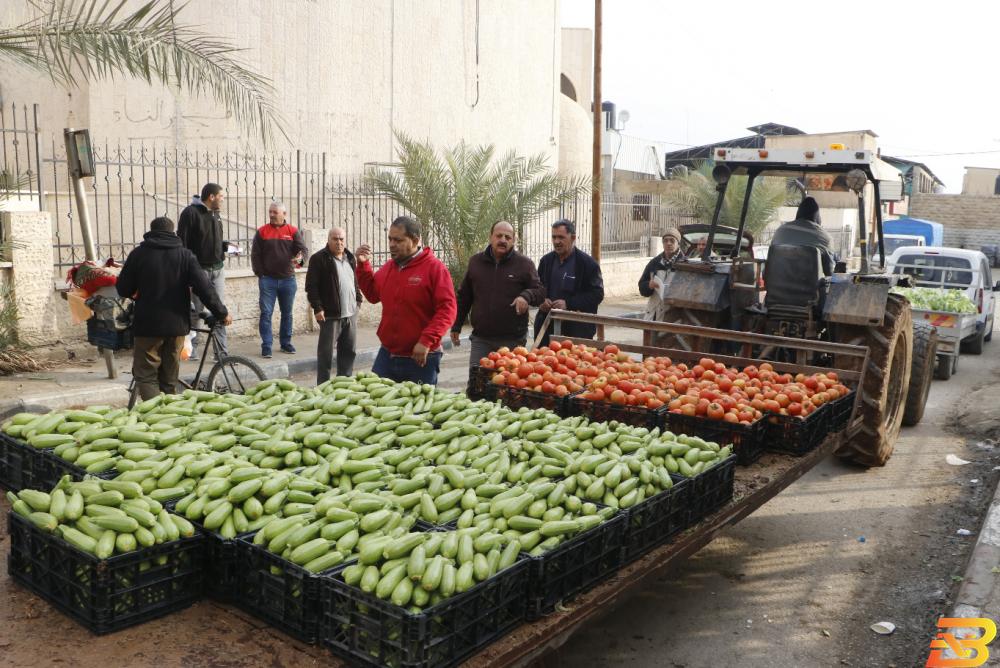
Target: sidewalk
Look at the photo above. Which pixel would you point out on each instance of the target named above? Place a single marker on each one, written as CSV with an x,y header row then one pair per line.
x,y
87,382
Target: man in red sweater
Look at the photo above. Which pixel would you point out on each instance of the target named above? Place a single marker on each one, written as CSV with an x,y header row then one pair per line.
x,y
418,304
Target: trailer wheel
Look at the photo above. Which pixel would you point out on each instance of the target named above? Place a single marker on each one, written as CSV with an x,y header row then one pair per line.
x,y
886,383
974,344
945,367
921,371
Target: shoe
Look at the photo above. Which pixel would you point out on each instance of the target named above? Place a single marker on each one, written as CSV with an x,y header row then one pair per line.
x,y
290,349
265,353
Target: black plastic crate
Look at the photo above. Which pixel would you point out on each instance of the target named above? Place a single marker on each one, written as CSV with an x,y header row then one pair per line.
x,y
15,464
747,439
276,590
576,565
103,334
111,594
711,489
657,519
24,467
517,397
605,411
222,563
481,385
797,435
367,630
840,411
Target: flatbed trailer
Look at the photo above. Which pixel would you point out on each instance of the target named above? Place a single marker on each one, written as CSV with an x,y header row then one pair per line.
x,y
754,486
952,329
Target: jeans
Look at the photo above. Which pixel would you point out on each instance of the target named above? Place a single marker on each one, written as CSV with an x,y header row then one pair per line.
x,y
344,332
284,290
156,364
218,279
400,368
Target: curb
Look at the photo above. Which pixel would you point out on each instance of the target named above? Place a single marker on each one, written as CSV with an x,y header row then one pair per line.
x,y
980,585
115,393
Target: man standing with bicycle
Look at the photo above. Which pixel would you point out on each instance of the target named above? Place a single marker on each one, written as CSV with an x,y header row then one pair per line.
x,y
160,275
200,229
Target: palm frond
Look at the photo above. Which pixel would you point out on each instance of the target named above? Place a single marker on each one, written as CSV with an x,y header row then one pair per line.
x,y
458,195
100,39
697,196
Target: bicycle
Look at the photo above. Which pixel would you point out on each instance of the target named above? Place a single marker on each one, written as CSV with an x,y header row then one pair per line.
x,y
231,374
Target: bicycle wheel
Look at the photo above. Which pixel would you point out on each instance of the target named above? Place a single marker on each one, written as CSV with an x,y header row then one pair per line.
x,y
133,393
234,374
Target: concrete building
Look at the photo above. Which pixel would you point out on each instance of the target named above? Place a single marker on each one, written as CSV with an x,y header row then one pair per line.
x,y
981,181
345,74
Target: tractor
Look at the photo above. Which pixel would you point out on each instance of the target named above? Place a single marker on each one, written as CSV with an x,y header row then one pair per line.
x,y
722,285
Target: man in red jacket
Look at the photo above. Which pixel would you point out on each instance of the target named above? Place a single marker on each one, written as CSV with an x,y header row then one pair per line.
x,y
418,304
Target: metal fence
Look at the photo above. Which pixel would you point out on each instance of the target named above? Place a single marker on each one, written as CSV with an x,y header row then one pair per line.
x,y
135,182
20,157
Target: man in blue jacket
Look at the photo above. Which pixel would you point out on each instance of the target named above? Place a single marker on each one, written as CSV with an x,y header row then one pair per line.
x,y
572,281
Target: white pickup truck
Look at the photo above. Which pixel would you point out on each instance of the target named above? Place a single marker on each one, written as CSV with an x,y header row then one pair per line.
x,y
952,269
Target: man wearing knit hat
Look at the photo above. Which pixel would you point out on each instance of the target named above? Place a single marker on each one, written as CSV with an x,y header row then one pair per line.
x,y
806,230
648,282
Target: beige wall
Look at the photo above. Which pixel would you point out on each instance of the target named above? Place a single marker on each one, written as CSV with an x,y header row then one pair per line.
x,y
980,181
345,74
575,134
958,211
578,63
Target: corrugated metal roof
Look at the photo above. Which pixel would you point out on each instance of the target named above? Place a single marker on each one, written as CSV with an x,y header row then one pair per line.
x,y
634,154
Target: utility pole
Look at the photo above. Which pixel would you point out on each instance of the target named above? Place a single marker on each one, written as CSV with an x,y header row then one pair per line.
x,y
595,200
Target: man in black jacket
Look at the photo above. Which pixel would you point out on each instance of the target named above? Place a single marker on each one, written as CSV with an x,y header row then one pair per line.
x,y
160,275
572,281
335,298
200,229
499,286
807,230
648,283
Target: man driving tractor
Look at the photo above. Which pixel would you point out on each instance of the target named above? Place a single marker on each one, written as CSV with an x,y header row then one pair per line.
x,y
806,230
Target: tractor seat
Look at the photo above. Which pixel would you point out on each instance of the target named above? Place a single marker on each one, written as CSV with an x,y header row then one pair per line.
x,y
796,286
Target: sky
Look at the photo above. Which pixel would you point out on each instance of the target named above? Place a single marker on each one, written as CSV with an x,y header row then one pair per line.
x,y
918,74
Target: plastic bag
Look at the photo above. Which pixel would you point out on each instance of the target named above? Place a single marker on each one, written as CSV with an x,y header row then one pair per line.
x,y
79,312
188,346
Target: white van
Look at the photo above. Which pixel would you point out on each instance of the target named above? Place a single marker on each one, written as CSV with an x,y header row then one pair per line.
x,y
955,269
894,241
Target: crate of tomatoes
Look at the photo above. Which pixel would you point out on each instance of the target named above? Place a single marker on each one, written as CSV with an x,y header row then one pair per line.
x,y
540,378
801,411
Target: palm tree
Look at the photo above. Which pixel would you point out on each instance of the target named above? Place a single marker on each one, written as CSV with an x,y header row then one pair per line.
x,y
100,39
458,195
697,196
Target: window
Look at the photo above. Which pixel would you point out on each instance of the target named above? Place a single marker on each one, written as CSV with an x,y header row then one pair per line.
x,y
640,206
996,186
936,270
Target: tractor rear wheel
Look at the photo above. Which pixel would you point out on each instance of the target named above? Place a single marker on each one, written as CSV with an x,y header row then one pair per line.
x,y
921,371
886,383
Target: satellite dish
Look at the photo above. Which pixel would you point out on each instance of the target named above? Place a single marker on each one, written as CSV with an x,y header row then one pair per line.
x,y
623,116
